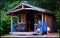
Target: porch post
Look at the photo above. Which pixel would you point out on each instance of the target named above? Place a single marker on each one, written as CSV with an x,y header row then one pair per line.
x,y
22,6
11,23
42,17
42,22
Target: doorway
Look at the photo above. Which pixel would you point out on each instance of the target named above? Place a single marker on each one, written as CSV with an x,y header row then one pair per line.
x,y
30,22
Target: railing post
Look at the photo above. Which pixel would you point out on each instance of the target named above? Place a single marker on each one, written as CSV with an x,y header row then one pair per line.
x,y
11,23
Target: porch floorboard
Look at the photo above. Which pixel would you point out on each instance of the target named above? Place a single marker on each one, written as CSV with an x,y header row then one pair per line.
x,y
33,36
22,33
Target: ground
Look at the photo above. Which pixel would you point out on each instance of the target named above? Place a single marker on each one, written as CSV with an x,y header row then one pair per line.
x,y
29,36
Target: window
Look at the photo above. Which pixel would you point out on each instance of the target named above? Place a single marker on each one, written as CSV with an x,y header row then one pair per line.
x,y
23,18
14,20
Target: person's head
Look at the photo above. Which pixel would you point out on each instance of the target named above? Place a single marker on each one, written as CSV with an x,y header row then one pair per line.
x,y
39,18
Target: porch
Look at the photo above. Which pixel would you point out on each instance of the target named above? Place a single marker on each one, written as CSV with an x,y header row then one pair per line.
x,y
23,33
32,36
25,21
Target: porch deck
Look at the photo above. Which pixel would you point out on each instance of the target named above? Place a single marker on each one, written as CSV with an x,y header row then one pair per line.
x,y
33,36
22,33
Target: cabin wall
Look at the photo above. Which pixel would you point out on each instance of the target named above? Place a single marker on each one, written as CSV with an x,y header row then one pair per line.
x,y
54,27
50,21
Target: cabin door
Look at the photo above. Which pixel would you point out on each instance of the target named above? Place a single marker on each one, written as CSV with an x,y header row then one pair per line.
x,y
30,22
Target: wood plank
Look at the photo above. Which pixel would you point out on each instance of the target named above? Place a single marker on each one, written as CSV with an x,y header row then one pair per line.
x,y
11,22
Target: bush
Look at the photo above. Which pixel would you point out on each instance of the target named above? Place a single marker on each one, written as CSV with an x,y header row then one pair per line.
x,y
57,14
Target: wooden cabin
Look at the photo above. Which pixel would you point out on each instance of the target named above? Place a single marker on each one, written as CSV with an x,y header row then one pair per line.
x,y
28,14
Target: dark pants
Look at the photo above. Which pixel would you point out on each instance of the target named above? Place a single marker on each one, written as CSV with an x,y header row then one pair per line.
x,y
44,33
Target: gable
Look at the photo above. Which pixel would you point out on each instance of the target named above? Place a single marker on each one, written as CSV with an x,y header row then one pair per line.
x,y
26,6
21,6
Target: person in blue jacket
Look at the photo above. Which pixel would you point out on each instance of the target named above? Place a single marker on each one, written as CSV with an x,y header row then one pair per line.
x,y
44,31
42,26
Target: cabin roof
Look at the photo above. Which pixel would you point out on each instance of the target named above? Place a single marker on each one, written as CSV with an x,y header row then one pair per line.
x,y
15,9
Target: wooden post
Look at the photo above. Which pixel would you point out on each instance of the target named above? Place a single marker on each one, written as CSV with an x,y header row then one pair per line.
x,y
22,6
11,23
42,22
42,17
46,22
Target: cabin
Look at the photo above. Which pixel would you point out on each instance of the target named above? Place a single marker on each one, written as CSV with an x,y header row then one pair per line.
x,y
27,15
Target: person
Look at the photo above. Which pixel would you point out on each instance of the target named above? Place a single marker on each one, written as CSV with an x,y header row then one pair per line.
x,y
39,22
42,26
39,25
44,31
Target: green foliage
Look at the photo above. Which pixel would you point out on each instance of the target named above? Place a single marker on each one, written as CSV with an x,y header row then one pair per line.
x,y
57,14
5,20
5,23
5,5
